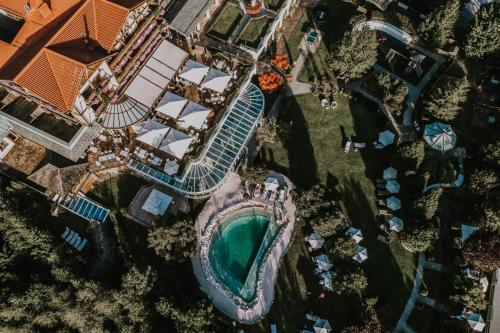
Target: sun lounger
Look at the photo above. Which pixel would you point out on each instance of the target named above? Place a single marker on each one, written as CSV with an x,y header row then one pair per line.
x,y
65,233
77,243
82,245
383,212
70,236
274,329
74,239
347,146
381,202
282,196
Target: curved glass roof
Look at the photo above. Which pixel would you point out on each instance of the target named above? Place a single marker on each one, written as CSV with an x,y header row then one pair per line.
x,y
204,175
122,114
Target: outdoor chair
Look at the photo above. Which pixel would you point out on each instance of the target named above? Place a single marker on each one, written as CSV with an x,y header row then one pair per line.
x,y
383,212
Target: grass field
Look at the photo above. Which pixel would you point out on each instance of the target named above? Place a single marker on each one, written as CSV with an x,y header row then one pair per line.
x,y
313,154
226,21
254,31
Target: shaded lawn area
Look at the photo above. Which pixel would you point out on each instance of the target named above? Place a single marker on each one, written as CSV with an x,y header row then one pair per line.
x,y
314,153
226,21
254,31
292,43
117,192
273,4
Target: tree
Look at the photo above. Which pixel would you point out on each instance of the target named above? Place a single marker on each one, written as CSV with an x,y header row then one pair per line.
x,y
483,181
439,24
411,154
255,174
418,239
370,324
197,319
393,92
355,56
344,249
425,207
281,61
490,153
349,281
312,203
329,224
268,130
484,37
174,243
445,103
472,298
270,82
482,251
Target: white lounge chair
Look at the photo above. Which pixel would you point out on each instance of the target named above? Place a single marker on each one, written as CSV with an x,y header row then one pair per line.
x,y
73,240
70,236
65,233
77,243
82,245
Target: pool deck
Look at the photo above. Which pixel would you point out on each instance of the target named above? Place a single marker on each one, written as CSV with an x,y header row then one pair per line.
x,y
230,194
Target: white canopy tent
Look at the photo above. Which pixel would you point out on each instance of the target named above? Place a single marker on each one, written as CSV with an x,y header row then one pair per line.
x,y
176,143
386,138
150,132
315,240
194,72
271,184
171,167
322,326
440,136
392,186
323,262
390,173
355,234
393,203
157,203
326,278
361,254
396,224
216,80
193,115
171,105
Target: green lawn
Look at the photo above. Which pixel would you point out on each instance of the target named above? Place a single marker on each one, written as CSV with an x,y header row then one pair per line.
x,y
226,21
292,43
273,4
314,153
254,31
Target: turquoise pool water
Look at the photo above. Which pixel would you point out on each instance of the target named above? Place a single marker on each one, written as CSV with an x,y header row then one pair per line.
x,y
238,246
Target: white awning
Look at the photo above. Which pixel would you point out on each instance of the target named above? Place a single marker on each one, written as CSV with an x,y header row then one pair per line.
x,y
176,143
150,132
361,254
156,73
194,72
194,115
216,80
315,240
157,203
171,105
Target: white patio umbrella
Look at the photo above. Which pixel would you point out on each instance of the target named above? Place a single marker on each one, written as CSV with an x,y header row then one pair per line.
x,y
323,262
393,203
476,322
150,132
171,167
271,184
440,136
171,105
322,326
386,138
193,115
194,72
326,277
392,186
176,143
396,224
355,234
361,254
216,80
315,240
390,173
467,231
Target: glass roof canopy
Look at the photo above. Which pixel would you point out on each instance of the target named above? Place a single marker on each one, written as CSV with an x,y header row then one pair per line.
x,y
125,113
204,175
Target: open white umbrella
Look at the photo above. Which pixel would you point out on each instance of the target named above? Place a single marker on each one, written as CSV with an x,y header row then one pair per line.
x,y
392,186
271,184
355,234
467,231
322,326
323,262
476,322
440,136
194,72
315,240
393,203
386,138
216,80
396,224
171,167
361,254
390,173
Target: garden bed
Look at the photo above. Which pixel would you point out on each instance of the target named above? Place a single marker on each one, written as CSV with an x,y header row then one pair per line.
x,y
226,21
273,4
254,31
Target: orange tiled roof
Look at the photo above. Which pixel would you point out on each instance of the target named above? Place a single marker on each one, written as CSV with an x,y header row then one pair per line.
x,y
56,72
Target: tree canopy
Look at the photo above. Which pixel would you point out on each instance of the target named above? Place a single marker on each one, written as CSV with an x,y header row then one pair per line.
x,y
482,181
484,37
471,297
478,251
329,224
393,92
425,207
418,239
439,24
411,154
174,243
445,103
355,56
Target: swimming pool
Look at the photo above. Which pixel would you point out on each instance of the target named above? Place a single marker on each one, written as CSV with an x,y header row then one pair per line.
x,y
238,246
